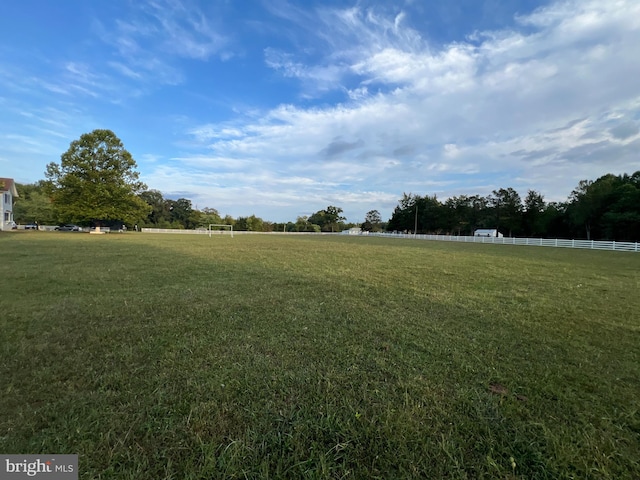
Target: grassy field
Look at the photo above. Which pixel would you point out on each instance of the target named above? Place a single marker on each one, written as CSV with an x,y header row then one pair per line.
x,y
185,357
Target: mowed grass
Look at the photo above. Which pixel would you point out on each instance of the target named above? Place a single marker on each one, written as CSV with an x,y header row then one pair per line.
x,y
270,356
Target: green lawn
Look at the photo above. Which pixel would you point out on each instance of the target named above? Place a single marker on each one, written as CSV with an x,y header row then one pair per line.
x,y
189,357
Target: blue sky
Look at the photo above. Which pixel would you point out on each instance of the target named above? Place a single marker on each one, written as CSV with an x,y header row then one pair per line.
x,y
279,108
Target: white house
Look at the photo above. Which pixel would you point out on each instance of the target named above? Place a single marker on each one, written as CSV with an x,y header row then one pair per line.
x,y
7,193
487,232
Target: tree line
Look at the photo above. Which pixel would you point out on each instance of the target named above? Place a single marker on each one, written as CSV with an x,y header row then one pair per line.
x,y
605,209
96,181
35,205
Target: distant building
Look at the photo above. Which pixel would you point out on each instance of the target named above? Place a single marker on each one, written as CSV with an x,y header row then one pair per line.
x,y
7,193
487,232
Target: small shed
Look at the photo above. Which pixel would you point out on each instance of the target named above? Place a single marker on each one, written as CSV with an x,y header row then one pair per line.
x,y
487,232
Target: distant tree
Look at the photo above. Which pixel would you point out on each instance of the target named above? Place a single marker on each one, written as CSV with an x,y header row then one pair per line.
x,y
372,221
249,224
329,219
532,216
430,215
228,220
554,221
589,201
96,180
480,214
290,227
507,207
303,224
464,214
182,213
34,205
209,216
621,221
421,214
583,206
455,215
241,224
159,214
608,208
403,216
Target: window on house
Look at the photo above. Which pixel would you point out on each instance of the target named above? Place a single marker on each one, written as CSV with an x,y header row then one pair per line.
x,y
6,198
6,216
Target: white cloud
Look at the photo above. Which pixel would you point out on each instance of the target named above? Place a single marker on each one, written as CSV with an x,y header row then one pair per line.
x,y
498,106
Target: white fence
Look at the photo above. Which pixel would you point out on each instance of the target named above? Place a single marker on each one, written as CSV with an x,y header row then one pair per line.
x,y
227,232
534,242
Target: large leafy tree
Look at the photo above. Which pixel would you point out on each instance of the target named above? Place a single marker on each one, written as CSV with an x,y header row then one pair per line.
x,y
532,216
608,208
372,221
182,213
97,180
209,216
507,206
159,214
329,219
250,224
430,215
303,224
403,216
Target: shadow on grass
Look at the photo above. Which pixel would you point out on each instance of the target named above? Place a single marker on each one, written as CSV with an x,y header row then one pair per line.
x,y
155,359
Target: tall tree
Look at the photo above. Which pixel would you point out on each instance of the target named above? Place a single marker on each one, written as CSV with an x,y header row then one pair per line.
x,y
250,224
303,224
534,207
621,221
328,219
372,221
404,215
507,206
159,214
182,213
209,216
96,180
455,214
430,215
589,202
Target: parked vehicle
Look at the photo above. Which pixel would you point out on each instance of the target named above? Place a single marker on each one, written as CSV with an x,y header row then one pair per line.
x,y
69,228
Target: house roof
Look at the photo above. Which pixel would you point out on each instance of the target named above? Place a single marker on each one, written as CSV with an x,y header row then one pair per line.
x,y
8,185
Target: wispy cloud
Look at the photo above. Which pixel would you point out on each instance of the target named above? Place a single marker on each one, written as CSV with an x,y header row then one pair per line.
x,y
346,36
494,105
156,33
